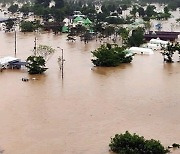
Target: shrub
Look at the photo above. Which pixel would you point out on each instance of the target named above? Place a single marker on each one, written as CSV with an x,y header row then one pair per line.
x,y
134,144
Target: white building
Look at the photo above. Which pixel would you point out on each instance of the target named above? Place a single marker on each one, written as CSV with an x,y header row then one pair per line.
x,y
139,50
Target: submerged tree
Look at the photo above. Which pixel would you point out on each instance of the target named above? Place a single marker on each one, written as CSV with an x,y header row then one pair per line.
x,y
27,26
124,33
150,10
111,55
25,9
9,25
169,51
36,64
134,144
13,8
137,37
44,51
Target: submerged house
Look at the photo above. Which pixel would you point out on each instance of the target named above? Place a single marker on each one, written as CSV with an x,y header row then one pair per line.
x,y
163,35
11,62
139,50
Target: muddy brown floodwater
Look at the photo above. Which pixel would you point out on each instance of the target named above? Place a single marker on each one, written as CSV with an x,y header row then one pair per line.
x,y
79,114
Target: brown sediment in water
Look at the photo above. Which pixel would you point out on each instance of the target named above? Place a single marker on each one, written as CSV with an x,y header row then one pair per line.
x,y
79,114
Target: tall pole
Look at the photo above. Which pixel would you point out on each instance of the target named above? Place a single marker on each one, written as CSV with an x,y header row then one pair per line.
x,y
15,43
62,70
35,44
61,62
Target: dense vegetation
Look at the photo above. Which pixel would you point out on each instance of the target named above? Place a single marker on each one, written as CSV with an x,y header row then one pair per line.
x,y
134,144
36,65
137,37
111,55
169,51
110,12
173,4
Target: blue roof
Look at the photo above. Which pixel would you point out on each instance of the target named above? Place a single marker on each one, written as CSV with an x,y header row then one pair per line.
x,y
18,63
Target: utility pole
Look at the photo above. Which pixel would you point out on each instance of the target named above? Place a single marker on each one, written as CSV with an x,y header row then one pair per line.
x,y
61,62
62,72
15,43
35,45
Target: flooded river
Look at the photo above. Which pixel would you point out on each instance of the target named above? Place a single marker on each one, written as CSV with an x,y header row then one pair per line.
x,y
79,114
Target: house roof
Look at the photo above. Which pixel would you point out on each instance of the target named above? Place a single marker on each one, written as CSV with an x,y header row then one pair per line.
x,y
6,60
87,21
78,18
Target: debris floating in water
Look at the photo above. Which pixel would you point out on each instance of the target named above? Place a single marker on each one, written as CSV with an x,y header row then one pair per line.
x,y
175,145
25,79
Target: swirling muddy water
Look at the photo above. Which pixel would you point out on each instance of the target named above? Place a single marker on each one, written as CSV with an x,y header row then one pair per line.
x,y
79,114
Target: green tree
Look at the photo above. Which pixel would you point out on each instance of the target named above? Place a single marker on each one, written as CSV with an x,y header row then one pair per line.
x,y
124,7
134,11
169,51
27,26
150,10
9,25
166,10
43,3
124,33
111,7
141,11
109,30
178,20
101,17
36,64
105,10
147,25
59,3
13,8
38,9
58,14
44,51
86,10
134,144
137,37
119,10
25,9
110,55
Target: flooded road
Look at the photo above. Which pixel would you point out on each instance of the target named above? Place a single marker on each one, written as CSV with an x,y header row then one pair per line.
x,y
79,114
